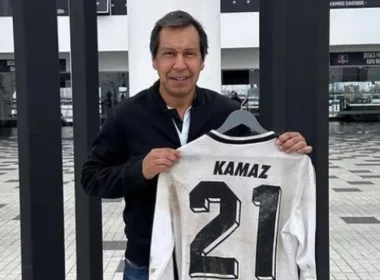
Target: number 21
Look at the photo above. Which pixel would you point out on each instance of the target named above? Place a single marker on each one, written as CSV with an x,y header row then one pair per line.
x,y
266,197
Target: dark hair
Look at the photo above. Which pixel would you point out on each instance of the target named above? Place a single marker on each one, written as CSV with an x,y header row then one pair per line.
x,y
177,19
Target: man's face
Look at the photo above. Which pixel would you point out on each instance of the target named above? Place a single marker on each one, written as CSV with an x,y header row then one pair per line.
x,y
178,60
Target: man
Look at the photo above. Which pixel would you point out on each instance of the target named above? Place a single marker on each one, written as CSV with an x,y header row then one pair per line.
x,y
234,96
139,140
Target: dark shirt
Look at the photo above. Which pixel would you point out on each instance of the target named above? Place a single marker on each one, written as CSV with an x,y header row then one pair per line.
x,y
114,167
236,98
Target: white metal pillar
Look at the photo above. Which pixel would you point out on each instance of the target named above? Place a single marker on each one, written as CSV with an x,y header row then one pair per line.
x,y
142,16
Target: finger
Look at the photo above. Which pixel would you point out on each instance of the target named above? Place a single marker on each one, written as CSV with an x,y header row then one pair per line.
x,y
168,156
295,147
305,150
172,154
160,169
291,142
166,150
286,136
164,162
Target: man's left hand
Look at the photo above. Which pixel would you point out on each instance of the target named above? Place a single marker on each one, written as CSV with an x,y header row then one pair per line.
x,y
293,142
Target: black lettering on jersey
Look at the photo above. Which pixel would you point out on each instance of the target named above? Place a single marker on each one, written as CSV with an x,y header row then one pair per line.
x,y
241,169
264,170
229,169
254,170
218,167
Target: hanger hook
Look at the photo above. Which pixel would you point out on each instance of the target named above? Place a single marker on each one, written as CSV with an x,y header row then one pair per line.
x,y
244,101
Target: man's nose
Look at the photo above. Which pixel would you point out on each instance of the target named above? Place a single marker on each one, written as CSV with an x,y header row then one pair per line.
x,y
180,62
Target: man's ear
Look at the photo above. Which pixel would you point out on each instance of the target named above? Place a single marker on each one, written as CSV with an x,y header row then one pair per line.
x,y
154,63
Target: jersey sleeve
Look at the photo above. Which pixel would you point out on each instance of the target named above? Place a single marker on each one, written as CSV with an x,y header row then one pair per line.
x,y
303,224
162,244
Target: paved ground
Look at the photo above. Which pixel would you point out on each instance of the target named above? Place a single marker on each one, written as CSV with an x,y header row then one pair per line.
x,y
355,202
354,209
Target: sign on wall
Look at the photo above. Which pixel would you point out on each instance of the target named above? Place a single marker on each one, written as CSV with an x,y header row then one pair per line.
x,y
118,7
241,6
103,7
355,58
354,4
9,65
62,7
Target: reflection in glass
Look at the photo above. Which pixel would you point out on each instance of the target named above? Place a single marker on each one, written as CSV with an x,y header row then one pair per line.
x,y
243,86
7,90
354,93
113,89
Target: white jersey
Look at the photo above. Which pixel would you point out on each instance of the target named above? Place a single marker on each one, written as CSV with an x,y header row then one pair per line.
x,y
235,208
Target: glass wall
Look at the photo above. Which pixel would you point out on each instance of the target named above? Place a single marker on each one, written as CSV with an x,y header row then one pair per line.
x,y
355,86
113,89
7,91
243,86
354,92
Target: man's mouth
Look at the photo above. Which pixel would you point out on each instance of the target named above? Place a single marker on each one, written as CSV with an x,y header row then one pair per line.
x,y
179,78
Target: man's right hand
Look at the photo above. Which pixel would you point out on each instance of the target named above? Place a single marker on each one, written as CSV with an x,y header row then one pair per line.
x,y
158,161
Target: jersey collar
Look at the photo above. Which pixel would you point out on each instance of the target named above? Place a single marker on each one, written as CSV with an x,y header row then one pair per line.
x,y
242,140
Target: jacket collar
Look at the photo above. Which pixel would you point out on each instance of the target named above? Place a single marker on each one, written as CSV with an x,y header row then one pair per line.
x,y
158,102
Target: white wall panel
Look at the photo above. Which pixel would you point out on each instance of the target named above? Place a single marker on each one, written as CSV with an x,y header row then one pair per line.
x,y
238,30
